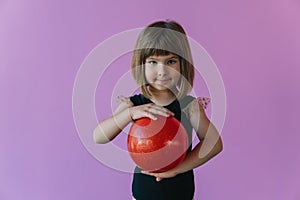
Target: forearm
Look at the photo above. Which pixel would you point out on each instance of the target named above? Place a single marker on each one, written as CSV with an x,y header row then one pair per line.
x,y
210,141
108,129
209,146
203,152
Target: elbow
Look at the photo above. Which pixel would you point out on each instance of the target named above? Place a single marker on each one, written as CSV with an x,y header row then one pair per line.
x,y
211,148
219,146
99,137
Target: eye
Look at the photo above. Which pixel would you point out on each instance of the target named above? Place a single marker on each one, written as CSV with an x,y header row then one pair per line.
x,y
171,62
152,62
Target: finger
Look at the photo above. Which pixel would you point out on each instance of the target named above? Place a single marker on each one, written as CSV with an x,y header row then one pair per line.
x,y
149,173
165,111
151,116
160,110
158,179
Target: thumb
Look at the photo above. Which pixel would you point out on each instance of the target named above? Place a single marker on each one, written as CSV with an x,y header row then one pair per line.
x,y
158,179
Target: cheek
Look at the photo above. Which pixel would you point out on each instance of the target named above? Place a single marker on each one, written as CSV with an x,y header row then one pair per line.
x,y
177,78
176,73
148,73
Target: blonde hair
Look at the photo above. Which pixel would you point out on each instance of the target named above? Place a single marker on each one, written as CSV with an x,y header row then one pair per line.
x,y
159,39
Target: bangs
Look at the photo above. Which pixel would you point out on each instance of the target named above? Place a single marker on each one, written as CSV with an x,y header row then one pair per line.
x,y
160,42
155,52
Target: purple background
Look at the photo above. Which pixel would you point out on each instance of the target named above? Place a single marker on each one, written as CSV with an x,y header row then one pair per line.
x,y
254,43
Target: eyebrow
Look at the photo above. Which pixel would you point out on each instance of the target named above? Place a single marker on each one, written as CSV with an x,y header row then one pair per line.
x,y
176,57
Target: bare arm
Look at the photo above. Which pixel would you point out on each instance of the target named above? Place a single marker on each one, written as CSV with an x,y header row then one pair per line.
x,y
109,128
210,143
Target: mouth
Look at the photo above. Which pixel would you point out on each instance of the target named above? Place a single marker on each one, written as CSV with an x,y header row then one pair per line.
x,y
163,80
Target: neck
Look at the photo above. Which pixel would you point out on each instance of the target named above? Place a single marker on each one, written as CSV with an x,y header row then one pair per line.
x,y
164,97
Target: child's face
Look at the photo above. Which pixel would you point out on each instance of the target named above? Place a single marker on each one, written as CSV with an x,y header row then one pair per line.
x,y
162,72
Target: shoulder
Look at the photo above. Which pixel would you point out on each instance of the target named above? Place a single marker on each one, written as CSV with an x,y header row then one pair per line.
x,y
136,99
139,99
197,105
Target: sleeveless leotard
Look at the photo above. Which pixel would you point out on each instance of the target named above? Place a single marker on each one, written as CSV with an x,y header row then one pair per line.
x,y
180,187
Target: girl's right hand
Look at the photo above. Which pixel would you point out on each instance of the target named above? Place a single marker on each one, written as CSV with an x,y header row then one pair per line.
x,y
148,110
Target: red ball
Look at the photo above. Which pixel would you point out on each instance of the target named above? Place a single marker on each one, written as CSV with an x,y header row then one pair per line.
x,y
157,145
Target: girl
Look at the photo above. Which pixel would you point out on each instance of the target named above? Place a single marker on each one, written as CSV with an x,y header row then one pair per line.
x,y
162,67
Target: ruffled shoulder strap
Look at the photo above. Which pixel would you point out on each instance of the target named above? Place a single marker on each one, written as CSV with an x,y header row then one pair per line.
x,y
203,101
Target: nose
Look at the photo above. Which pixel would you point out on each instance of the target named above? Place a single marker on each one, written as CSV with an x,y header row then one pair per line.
x,y
162,70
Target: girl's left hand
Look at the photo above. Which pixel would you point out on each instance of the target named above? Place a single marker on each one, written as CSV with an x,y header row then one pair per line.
x,y
161,175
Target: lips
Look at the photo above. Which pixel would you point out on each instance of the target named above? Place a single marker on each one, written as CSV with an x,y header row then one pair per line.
x,y
163,80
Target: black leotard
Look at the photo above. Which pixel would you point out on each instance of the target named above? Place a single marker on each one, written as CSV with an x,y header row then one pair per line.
x,y
180,187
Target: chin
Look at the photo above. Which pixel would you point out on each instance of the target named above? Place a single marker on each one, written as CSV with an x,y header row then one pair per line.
x,y
162,87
